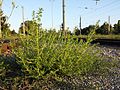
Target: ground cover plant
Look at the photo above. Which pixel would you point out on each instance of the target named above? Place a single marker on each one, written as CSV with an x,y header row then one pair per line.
x,y
43,56
43,52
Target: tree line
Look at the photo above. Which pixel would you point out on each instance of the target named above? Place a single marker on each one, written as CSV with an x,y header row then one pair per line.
x,y
104,29
5,26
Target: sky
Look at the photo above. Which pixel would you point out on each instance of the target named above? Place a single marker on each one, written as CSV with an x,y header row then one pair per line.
x,y
87,9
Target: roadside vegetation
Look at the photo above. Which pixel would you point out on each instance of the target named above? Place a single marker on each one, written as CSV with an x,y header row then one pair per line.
x,y
41,59
112,37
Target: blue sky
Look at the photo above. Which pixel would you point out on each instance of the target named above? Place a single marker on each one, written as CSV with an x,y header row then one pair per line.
x,y
74,9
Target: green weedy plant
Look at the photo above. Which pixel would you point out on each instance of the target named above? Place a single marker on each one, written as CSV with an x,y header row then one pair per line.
x,y
8,65
47,54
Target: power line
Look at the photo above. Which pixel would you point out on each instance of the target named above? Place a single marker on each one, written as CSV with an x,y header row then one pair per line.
x,y
101,15
109,10
107,5
102,7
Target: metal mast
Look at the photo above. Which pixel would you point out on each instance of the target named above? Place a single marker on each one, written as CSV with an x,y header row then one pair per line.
x,y
23,21
1,1
109,24
80,25
52,13
63,7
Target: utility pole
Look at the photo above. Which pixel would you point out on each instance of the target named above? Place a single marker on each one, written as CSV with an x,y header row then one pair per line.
x,y
52,13
0,22
23,21
1,1
80,25
63,7
109,24
96,1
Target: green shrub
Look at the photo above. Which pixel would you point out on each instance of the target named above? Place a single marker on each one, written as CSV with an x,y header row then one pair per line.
x,y
9,67
44,54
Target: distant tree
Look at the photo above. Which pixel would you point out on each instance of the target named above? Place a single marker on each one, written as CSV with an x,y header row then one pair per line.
x,y
115,31
76,31
30,27
103,29
13,32
87,30
5,27
116,28
52,31
68,32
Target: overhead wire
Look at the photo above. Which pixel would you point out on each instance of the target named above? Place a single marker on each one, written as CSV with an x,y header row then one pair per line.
x,y
101,8
110,11
97,13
